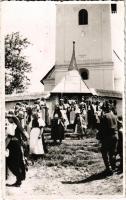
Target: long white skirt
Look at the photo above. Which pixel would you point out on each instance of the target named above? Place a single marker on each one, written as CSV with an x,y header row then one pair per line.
x,y
36,146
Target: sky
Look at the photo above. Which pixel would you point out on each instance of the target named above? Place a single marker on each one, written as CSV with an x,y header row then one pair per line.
x,y
36,21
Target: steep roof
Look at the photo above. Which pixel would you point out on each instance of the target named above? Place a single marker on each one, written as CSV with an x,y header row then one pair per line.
x,y
71,83
73,64
48,74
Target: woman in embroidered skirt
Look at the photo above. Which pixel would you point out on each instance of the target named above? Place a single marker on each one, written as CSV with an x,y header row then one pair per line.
x,y
36,143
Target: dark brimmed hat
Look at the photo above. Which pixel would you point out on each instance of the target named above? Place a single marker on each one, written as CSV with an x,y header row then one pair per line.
x,y
10,114
19,104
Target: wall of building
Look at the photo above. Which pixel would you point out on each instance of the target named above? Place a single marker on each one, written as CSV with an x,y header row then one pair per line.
x,y
100,76
49,85
93,41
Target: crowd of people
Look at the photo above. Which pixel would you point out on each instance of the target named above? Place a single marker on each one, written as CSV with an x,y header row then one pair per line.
x,y
25,126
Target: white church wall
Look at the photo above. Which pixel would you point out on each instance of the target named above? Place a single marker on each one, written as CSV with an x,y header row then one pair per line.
x,y
93,75
93,41
108,79
93,46
49,85
60,73
100,79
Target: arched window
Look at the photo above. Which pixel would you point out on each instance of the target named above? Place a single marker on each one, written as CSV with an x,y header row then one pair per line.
x,y
84,73
83,17
114,8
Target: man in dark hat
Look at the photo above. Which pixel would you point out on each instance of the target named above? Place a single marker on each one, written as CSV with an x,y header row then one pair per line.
x,y
108,137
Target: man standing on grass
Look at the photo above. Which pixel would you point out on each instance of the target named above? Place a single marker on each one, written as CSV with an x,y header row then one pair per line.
x,y
108,137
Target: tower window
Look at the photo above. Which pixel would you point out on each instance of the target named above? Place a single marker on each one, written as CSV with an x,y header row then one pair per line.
x,y
114,8
84,73
83,17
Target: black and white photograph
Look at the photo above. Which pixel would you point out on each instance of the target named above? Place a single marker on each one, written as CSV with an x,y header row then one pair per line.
x,y
64,99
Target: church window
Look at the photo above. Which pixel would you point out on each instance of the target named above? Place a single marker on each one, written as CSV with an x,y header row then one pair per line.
x,y
84,74
114,8
83,17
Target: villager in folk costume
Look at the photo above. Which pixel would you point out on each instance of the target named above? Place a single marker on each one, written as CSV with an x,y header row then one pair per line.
x,y
72,116
36,143
68,110
108,137
83,115
79,125
57,126
82,104
66,104
47,120
114,108
25,144
120,143
64,116
61,104
29,119
42,105
15,160
90,115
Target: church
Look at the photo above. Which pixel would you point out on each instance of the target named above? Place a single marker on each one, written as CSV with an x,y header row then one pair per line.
x,y
89,26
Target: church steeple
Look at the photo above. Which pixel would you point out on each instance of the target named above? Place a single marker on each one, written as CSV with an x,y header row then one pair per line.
x,y
73,64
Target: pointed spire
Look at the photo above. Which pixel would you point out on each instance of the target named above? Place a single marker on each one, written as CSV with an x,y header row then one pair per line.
x,y
73,64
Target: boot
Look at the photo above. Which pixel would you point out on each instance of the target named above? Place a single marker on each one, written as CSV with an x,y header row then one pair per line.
x,y
108,172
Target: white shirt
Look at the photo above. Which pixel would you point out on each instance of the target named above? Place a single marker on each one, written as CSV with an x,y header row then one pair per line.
x,y
41,122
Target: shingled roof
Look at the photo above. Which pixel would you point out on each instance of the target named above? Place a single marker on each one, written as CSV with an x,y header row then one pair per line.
x,y
71,83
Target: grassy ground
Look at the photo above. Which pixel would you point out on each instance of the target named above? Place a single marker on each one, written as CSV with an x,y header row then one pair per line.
x,y
76,153
72,168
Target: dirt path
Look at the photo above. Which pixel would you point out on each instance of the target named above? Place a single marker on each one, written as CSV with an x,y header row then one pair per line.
x,y
56,181
43,182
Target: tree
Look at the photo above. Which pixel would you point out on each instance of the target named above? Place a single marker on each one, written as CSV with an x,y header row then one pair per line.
x,y
16,65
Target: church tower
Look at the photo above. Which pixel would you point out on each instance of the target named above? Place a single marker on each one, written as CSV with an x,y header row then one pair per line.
x,y
89,26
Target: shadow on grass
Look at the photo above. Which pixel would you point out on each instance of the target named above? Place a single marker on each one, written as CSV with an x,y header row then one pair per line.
x,y
52,143
96,176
